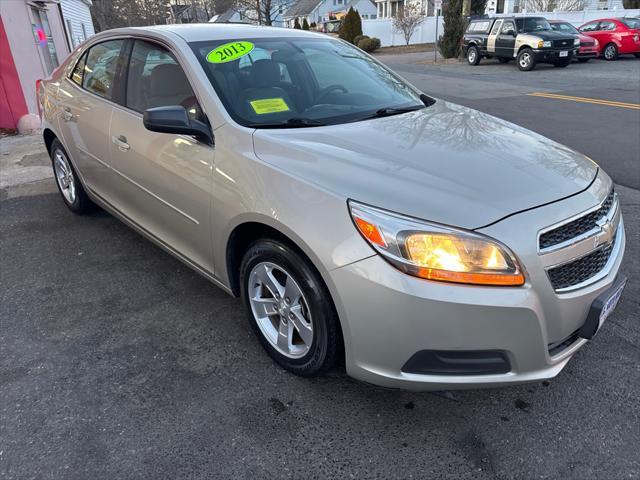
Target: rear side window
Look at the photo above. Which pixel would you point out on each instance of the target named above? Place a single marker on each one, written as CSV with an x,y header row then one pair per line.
x,y
78,71
101,67
631,22
479,27
496,27
156,79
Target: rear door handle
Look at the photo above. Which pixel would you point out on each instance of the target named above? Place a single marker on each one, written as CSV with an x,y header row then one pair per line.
x,y
66,114
121,142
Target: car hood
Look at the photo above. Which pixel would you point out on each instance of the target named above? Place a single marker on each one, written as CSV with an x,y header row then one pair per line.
x,y
551,35
445,163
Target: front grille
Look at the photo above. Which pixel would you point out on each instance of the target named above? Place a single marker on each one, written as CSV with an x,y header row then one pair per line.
x,y
587,43
582,269
563,43
577,227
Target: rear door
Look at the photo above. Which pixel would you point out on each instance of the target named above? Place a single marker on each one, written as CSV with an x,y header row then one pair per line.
x,y
493,35
86,99
506,40
164,180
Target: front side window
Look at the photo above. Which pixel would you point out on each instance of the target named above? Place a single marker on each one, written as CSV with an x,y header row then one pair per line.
x,y
155,79
590,27
322,81
607,26
533,24
508,28
101,66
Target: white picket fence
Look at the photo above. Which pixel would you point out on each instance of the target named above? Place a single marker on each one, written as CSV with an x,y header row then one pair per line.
x,y
426,32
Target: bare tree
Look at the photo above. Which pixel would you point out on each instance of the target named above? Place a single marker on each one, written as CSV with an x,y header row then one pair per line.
x,y
408,19
553,5
262,12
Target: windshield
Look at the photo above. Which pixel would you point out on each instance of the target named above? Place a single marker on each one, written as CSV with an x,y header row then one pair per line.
x,y
293,82
631,22
534,24
565,28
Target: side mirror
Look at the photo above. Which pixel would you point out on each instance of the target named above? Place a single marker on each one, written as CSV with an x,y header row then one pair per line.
x,y
175,119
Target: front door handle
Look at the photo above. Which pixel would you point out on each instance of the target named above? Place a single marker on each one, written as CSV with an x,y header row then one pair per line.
x,y
121,142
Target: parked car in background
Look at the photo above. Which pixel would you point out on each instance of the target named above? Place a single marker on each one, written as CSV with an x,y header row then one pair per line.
x,y
589,47
617,36
530,40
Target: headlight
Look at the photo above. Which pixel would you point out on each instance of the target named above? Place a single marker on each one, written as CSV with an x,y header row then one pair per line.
x,y
544,44
436,252
576,41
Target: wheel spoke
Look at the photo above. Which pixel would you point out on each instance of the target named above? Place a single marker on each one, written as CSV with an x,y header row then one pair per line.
x,y
284,336
264,306
265,275
300,323
291,291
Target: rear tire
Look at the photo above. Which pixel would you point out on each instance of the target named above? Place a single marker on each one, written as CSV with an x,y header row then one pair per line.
x,y
69,186
610,52
526,60
473,55
289,308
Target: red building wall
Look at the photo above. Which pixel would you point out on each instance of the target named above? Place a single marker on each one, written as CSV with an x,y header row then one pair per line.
x,y
12,102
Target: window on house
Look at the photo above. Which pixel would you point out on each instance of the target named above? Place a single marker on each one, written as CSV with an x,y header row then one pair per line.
x,y
84,32
43,38
72,41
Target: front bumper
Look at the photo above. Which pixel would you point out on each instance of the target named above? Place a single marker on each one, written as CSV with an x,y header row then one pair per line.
x,y
389,316
548,55
587,52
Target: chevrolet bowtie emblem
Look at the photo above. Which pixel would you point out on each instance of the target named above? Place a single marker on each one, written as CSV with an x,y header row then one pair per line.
x,y
607,231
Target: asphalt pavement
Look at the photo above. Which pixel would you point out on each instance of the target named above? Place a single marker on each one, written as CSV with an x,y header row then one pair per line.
x,y
116,361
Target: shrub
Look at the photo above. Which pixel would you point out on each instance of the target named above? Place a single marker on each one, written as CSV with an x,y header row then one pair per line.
x,y
357,38
305,24
351,26
369,44
454,26
296,24
313,25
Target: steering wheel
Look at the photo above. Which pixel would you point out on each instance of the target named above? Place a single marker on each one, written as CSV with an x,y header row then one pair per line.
x,y
327,90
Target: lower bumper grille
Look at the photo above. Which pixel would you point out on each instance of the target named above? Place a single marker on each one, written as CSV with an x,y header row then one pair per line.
x,y
582,269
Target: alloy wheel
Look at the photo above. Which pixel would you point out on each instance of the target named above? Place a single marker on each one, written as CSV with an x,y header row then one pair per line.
x,y
280,309
610,52
64,176
525,60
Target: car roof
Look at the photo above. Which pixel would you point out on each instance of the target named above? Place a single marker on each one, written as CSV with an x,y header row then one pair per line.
x,y
195,32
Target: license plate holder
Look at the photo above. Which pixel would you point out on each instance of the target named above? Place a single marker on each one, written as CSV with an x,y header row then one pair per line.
x,y
564,54
602,307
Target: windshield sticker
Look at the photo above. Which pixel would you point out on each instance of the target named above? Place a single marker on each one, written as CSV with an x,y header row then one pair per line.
x,y
229,52
269,105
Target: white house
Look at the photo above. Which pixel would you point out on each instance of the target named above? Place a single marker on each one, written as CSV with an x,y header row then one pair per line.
x,y
520,6
391,8
325,13
236,15
78,25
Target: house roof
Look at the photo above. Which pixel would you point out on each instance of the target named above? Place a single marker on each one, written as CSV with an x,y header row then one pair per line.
x,y
224,16
302,8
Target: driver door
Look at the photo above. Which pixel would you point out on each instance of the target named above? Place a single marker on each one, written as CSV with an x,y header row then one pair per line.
x,y
164,180
506,40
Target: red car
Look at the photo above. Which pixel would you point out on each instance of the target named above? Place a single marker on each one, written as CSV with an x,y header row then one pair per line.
x,y
589,47
617,36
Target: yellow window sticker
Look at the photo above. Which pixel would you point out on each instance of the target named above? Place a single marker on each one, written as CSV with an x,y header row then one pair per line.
x,y
269,105
229,52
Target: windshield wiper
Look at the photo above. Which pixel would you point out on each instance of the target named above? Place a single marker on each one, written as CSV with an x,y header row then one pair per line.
x,y
295,122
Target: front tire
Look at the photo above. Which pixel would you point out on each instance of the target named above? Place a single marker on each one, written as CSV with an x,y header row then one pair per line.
x,y
69,186
473,55
526,60
610,52
289,308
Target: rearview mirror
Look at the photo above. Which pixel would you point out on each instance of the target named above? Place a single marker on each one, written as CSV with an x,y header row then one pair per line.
x,y
175,119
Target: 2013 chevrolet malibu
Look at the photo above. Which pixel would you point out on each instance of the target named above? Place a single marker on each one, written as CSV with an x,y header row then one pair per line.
x,y
431,245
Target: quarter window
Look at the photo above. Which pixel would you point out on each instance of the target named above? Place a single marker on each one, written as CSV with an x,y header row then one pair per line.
x,y
155,79
101,67
78,71
496,27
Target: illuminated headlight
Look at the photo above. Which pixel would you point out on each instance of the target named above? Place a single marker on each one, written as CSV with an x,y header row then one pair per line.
x,y
436,252
576,42
544,44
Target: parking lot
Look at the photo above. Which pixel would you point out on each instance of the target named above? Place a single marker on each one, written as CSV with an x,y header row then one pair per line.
x,y
116,361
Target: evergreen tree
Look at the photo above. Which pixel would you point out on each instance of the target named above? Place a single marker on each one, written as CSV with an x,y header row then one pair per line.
x,y
351,26
305,24
296,24
454,26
